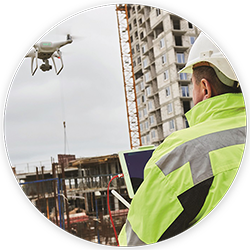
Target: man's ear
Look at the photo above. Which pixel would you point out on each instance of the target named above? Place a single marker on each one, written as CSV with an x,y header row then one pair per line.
x,y
206,89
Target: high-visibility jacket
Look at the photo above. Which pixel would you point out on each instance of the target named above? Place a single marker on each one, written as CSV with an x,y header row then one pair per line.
x,y
210,149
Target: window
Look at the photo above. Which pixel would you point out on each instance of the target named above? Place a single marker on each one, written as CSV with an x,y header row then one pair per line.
x,y
183,76
166,75
190,25
145,112
143,48
162,43
134,63
158,29
141,35
178,40
142,98
180,57
147,76
140,113
137,88
168,91
192,40
131,39
139,60
138,100
141,126
137,47
153,134
171,124
138,75
142,85
133,51
186,107
163,59
185,91
143,140
170,108
150,105
146,125
176,24
140,21
134,22
148,91
151,119
158,12
145,63
186,123
130,27
148,139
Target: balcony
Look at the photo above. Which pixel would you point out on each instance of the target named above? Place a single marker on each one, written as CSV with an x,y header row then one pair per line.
x,y
178,32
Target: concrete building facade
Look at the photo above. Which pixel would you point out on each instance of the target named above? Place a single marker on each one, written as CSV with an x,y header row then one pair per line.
x,y
160,43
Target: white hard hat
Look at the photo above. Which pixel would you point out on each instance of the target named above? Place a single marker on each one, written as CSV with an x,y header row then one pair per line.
x,y
205,53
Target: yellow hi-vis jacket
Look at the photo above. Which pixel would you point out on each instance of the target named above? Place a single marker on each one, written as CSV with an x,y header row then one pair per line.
x,y
210,150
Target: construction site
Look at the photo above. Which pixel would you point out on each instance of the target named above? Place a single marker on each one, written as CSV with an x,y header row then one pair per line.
x,y
72,192
73,195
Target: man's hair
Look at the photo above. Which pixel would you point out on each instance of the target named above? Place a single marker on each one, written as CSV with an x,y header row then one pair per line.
x,y
218,88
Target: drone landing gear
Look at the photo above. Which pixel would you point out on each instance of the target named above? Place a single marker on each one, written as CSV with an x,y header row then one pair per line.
x,y
59,56
33,70
45,66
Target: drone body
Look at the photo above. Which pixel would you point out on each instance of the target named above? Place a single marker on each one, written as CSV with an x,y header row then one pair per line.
x,y
45,51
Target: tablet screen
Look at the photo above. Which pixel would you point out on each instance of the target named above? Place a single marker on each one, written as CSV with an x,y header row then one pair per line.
x,y
136,162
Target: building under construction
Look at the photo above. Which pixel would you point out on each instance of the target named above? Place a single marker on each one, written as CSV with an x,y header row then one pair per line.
x,y
154,47
73,194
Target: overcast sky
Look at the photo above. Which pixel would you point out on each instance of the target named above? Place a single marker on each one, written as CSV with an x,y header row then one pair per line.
x,y
88,94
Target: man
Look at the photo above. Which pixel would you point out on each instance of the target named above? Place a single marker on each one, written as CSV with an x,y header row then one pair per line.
x,y
192,169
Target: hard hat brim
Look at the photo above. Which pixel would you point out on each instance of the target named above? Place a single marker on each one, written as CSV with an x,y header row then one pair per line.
x,y
187,69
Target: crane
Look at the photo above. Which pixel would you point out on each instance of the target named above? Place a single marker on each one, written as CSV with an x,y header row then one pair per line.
x,y
128,76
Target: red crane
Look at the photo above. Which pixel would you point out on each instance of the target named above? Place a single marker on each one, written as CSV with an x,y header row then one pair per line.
x,y
128,76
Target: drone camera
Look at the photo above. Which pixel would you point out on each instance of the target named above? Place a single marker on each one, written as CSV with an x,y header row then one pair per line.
x,y
45,67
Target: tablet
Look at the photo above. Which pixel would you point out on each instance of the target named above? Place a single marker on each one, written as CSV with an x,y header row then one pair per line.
x,y
133,163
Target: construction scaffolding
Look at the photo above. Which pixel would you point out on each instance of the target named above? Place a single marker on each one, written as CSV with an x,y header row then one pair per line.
x,y
74,196
128,76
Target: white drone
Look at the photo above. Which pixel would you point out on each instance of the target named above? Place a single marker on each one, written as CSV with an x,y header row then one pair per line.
x,y
45,51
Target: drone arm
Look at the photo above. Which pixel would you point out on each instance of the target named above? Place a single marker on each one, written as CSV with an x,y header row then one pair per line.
x,y
61,44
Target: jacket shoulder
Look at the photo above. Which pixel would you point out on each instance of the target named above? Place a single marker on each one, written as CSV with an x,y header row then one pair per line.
x,y
194,143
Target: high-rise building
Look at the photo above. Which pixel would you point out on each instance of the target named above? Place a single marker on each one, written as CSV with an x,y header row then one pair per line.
x,y
160,42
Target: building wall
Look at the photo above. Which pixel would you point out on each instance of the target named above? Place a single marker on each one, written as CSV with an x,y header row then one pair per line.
x,y
160,43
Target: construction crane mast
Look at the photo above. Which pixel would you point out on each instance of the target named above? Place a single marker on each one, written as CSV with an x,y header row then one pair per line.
x,y
128,76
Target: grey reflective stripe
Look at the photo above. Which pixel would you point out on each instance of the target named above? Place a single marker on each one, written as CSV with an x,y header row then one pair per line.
x,y
132,238
196,152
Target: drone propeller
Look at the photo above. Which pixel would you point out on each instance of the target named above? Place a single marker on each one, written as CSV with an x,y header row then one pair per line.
x,y
31,53
69,37
74,37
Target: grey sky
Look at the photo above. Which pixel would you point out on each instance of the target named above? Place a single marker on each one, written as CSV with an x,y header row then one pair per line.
x,y
88,94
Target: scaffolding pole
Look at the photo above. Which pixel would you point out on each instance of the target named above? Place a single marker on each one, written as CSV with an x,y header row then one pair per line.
x,y
128,76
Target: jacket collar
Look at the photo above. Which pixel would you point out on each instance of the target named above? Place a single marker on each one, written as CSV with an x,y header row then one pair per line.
x,y
213,108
